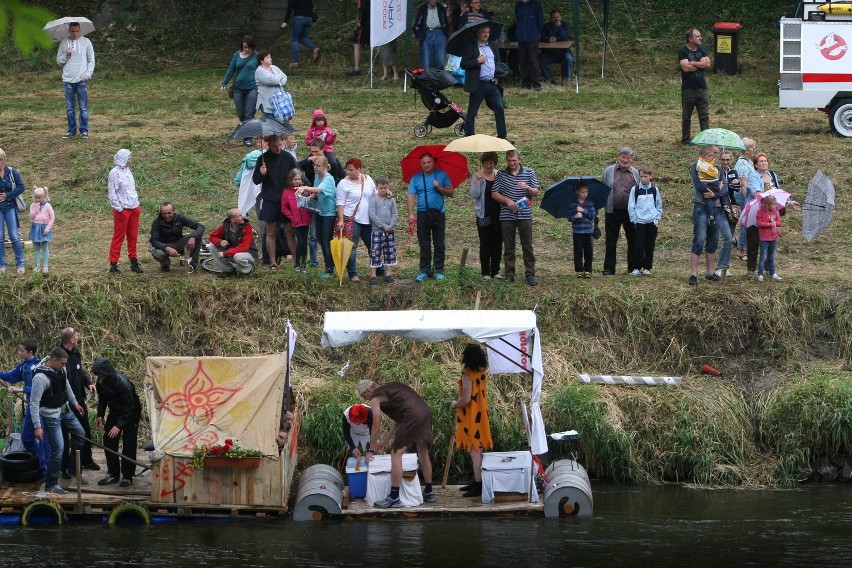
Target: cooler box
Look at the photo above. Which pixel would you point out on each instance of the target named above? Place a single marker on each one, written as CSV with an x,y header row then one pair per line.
x,y
357,479
507,475
379,482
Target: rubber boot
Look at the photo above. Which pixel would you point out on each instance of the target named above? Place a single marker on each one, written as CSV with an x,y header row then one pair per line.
x,y
134,266
113,268
475,490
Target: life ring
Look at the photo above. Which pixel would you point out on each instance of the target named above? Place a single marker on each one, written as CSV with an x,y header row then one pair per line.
x,y
18,462
40,505
129,510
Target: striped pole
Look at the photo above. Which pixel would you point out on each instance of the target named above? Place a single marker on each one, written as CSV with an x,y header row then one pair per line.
x,y
628,380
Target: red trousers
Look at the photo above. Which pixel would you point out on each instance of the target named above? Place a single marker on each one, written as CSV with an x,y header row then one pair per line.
x,y
124,224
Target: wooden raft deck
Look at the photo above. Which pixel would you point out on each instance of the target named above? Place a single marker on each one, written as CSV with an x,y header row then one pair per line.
x,y
96,501
450,504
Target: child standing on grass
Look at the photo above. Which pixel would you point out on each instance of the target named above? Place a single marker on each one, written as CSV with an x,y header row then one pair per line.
x,y
582,224
768,223
645,207
41,231
320,129
298,217
383,220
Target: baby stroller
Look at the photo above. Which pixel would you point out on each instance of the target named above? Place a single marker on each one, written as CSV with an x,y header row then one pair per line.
x,y
442,113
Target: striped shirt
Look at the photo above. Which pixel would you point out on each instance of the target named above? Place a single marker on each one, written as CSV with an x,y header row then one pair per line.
x,y
506,184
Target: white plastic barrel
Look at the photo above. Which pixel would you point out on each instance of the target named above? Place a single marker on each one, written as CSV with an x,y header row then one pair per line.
x,y
568,491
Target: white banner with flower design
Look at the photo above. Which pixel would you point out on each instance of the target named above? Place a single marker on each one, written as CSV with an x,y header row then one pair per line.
x,y
203,401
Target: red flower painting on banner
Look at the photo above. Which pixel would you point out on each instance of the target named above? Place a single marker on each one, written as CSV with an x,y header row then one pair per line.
x,y
199,400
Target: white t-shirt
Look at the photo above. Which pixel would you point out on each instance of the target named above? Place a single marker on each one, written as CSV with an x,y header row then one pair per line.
x,y
349,193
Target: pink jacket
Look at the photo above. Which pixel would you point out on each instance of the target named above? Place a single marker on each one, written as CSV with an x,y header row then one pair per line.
x,y
43,215
765,230
315,131
298,216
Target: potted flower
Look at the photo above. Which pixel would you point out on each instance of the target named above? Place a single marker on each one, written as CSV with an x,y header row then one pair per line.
x,y
229,454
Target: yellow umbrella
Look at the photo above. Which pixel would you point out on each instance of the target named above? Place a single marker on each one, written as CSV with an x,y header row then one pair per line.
x,y
341,249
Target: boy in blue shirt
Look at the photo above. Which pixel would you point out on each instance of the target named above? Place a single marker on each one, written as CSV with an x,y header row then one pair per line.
x,y
645,207
582,226
24,371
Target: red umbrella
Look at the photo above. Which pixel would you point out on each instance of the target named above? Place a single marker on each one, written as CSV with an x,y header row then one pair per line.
x,y
451,163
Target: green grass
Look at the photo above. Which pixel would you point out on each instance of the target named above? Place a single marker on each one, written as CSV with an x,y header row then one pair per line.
x,y
790,339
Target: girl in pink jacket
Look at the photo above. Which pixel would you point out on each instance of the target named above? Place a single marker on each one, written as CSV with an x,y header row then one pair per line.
x,y
41,231
298,217
320,129
768,231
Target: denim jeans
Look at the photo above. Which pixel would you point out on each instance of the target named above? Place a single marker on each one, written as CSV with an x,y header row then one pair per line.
x,y
53,427
724,229
551,56
767,257
433,50
40,449
9,220
364,233
300,27
245,101
313,238
77,92
489,92
704,238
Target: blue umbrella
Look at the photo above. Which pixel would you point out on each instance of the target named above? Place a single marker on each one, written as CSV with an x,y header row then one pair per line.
x,y
558,196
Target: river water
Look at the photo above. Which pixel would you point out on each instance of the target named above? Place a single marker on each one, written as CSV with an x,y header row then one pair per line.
x,y
631,526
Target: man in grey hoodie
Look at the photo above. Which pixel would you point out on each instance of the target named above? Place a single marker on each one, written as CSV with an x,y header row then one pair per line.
x,y
77,57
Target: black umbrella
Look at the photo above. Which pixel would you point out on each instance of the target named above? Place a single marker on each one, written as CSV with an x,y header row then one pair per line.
x,y
262,127
464,35
558,196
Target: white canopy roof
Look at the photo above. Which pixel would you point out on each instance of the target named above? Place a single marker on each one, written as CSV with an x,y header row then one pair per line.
x,y
346,328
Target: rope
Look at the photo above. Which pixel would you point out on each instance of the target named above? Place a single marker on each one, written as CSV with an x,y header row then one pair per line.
x,y
627,79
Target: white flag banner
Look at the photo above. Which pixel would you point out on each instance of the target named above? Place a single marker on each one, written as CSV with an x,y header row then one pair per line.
x,y
510,353
291,332
387,20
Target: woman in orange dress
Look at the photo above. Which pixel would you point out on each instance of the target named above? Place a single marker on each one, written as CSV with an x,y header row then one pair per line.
x,y
473,431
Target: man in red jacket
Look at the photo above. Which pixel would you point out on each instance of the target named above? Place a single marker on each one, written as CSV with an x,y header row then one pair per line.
x,y
232,244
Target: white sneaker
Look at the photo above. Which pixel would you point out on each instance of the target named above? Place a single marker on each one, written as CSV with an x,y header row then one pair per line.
x,y
36,269
776,277
728,273
44,269
719,273
646,272
760,277
636,272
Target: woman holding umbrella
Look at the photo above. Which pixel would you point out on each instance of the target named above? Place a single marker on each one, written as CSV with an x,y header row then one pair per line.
x,y
487,216
242,68
762,180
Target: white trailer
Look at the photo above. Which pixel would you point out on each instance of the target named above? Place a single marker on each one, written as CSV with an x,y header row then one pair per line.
x,y
816,66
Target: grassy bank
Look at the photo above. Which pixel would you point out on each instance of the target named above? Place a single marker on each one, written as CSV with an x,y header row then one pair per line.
x,y
784,348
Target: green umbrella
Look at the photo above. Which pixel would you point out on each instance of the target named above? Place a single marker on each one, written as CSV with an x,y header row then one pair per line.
x,y
719,137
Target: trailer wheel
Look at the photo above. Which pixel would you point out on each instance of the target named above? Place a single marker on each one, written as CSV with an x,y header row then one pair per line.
x,y
841,118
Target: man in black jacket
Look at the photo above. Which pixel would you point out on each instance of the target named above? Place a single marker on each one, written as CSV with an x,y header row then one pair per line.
x,y
479,63
117,393
168,240
80,383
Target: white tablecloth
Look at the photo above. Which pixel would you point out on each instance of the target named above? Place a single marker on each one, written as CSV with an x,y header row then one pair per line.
x,y
379,481
506,472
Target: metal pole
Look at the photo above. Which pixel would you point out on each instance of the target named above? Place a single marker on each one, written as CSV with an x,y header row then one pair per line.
x,y
122,456
606,37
